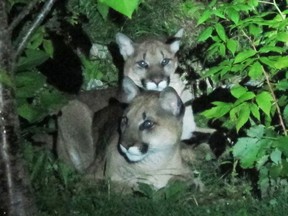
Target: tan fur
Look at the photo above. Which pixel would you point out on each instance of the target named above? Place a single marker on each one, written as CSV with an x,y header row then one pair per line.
x,y
155,75
79,142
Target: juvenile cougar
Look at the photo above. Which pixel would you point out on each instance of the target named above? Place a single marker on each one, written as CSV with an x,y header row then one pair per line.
x,y
151,65
145,149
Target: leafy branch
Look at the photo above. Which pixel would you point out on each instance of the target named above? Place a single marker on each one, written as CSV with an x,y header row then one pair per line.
x,y
269,85
35,24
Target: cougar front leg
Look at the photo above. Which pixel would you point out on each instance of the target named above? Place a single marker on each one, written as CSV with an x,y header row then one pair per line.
x,y
74,142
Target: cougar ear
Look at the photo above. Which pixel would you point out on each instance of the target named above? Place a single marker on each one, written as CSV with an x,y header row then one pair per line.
x,y
125,45
171,102
129,90
174,41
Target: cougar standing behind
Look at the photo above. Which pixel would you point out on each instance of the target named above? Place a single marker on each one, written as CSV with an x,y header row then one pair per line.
x,y
151,64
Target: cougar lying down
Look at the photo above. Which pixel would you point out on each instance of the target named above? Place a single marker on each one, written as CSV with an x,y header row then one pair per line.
x,y
145,147
151,64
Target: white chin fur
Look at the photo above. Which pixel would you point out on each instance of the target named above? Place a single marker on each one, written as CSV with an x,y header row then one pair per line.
x,y
155,87
133,153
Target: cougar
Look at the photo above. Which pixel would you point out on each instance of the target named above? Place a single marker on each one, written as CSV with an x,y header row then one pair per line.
x,y
143,147
151,64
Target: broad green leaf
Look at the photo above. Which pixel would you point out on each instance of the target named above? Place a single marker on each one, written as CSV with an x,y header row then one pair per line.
x,y
30,113
243,116
255,30
232,45
205,34
256,131
220,31
217,112
240,57
219,14
276,156
282,85
255,111
32,59
245,97
126,7
264,102
233,15
238,91
255,70
281,62
278,62
246,150
205,16
267,49
282,36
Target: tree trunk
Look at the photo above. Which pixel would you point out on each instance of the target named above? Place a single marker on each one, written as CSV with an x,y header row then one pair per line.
x,y
15,196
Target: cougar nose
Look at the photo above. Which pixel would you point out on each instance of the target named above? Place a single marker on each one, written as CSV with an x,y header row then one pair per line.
x,y
157,80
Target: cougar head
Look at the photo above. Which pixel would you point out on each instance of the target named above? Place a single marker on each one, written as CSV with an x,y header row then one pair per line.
x,y
152,123
149,63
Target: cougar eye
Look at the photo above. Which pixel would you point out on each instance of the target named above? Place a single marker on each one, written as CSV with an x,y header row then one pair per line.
x,y
142,64
147,124
165,61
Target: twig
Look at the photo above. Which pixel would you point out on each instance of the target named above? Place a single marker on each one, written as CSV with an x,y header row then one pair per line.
x,y
269,86
23,13
38,20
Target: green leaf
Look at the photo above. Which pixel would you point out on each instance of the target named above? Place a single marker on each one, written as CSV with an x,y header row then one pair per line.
x,y
282,85
243,116
233,15
275,171
285,114
256,131
267,49
218,111
245,97
276,156
205,16
238,91
282,36
29,112
232,45
103,9
281,62
255,30
205,34
246,150
126,7
264,102
255,111
219,14
48,47
33,58
278,62
240,57
281,144
5,79
146,190
255,70
220,31
222,49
